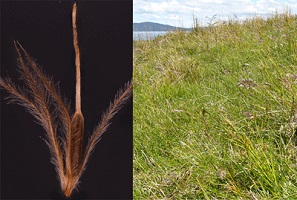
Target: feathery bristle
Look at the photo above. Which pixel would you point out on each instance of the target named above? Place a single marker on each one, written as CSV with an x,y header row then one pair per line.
x,y
120,99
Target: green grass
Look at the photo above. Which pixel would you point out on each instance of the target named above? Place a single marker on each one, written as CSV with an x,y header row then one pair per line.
x,y
215,113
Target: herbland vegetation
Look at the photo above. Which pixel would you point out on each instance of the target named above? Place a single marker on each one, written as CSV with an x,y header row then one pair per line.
x,y
215,112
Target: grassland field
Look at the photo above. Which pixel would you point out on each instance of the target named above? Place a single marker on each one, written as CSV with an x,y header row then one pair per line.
x,y
215,112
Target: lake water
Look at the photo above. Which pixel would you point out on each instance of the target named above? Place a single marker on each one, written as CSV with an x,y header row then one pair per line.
x,y
147,35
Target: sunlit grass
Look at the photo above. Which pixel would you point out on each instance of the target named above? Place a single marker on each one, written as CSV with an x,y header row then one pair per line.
x,y
215,112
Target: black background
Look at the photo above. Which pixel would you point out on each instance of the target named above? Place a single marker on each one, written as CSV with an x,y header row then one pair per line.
x,y
105,38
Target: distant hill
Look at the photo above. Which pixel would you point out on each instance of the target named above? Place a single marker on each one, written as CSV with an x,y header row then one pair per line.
x,y
151,26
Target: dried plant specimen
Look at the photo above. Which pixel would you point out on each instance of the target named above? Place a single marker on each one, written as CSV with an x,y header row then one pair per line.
x,y
42,99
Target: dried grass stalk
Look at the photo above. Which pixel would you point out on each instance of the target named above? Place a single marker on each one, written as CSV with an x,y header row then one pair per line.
x,y
42,99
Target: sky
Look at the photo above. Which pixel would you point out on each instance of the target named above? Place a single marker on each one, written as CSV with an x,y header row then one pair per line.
x,y
181,13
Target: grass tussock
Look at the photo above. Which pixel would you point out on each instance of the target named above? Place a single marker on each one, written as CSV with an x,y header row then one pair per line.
x,y
215,112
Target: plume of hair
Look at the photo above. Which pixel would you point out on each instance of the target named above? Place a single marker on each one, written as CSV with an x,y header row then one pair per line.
x,y
120,99
38,101
49,86
41,97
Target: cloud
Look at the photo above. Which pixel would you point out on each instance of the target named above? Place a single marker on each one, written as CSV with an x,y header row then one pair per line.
x,y
180,12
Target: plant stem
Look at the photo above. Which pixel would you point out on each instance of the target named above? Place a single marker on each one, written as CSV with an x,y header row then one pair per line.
x,y
77,62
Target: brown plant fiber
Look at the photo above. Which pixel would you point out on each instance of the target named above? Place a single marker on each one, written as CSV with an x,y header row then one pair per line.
x,y
42,99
